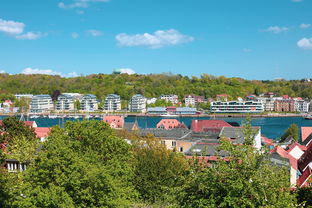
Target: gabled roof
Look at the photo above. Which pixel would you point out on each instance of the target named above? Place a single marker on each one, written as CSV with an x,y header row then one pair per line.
x,y
201,125
267,141
305,132
283,153
236,133
130,125
305,159
42,132
308,141
304,177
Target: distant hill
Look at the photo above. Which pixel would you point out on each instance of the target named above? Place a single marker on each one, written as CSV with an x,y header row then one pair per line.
x,y
152,85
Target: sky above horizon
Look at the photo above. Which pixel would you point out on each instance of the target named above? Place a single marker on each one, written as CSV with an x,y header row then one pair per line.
x,y
252,39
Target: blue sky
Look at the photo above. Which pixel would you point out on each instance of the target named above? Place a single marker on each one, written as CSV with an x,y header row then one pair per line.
x,y
253,39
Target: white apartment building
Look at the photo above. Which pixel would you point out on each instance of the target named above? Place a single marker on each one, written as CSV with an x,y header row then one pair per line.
x,y
268,103
192,100
237,107
137,103
65,103
302,106
170,98
112,103
89,103
41,104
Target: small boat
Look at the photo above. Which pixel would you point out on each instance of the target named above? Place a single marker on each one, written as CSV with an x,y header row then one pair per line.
x,y
308,117
53,116
34,116
169,115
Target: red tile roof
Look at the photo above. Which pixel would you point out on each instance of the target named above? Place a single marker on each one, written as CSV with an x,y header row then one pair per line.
x,y
267,141
204,125
305,159
42,132
305,132
114,121
304,177
168,124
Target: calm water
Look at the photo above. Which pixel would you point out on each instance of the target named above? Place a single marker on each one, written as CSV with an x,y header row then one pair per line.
x,y
270,127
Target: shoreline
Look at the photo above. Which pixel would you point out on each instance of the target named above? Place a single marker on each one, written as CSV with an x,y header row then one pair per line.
x,y
164,116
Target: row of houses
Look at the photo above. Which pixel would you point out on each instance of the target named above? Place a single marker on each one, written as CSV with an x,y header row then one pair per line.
x,y
202,139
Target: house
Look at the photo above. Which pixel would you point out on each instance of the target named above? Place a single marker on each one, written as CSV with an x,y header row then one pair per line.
x,y
280,157
112,103
42,133
208,125
115,122
169,124
170,98
285,105
41,104
65,103
237,135
192,100
7,103
137,104
89,103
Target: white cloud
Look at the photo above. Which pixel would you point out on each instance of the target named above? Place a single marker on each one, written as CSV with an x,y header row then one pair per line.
x,y
16,30
29,36
126,71
2,72
30,70
40,71
75,35
305,43
158,39
11,27
95,33
276,29
79,4
304,26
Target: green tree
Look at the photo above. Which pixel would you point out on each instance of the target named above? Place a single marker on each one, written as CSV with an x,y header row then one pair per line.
x,y
81,165
159,172
291,131
246,179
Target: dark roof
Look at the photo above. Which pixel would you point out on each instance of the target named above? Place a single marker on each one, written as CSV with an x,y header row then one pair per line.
x,y
206,148
129,125
162,133
236,133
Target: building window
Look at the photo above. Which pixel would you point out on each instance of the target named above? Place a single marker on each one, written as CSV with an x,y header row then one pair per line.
x,y
181,149
163,142
174,143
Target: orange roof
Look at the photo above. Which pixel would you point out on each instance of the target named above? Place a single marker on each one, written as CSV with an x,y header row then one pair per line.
x,y
114,121
42,132
267,141
305,132
201,125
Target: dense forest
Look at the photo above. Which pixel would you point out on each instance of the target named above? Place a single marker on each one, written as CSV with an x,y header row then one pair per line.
x,y
152,85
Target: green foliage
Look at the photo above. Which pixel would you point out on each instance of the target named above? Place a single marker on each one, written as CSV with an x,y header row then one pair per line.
x,y
160,103
304,196
245,180
159,172
82,165
291,131
152,85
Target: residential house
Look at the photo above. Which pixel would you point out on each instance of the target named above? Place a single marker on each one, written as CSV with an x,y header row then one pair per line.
x,y
174,99
115,122
89,103
137,104
192,100
285,105
41,104
200,126
112,103
42,133
131,126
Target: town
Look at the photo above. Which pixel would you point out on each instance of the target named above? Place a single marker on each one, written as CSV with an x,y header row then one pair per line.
x,y
164,105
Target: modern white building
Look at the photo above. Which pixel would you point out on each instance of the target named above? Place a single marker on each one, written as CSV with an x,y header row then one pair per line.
x,y
170,98
137,103
64,103
268,103
41,104
237,107
89,103
302,106
112,103
151,100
